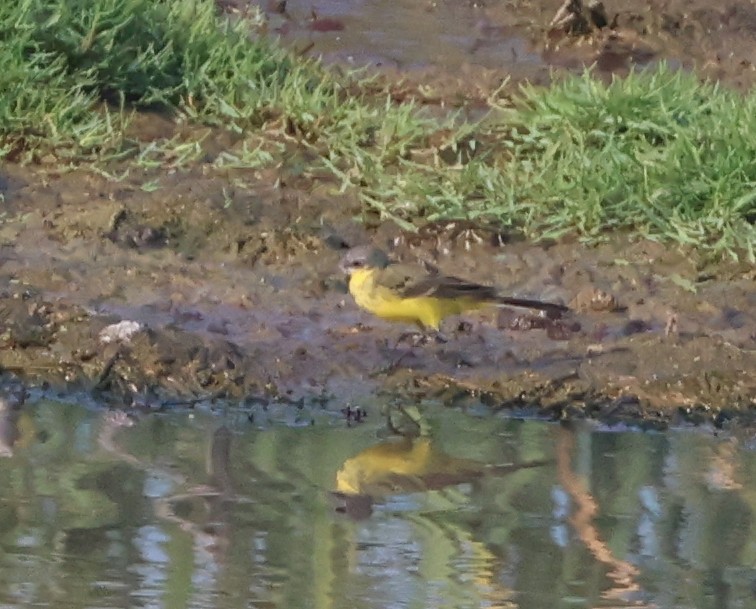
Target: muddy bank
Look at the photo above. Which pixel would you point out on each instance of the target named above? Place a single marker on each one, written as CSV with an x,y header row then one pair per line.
x,y
235,295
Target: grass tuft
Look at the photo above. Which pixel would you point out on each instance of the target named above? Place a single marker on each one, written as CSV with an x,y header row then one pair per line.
x,y
657,152
64,58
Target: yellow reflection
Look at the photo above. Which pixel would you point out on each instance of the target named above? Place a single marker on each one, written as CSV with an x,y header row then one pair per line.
x,y
408,464
404,465
418,464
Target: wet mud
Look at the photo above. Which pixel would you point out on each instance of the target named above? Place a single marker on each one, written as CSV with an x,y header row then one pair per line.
x,y
224,285
238,296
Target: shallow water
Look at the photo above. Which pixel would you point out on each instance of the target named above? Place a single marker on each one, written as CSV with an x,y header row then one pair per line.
x,y
212,509
409,34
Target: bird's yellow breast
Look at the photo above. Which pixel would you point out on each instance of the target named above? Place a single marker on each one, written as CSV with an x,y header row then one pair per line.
x,y
386,303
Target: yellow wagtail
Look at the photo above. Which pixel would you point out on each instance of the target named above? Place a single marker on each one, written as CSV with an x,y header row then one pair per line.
x,y
410,293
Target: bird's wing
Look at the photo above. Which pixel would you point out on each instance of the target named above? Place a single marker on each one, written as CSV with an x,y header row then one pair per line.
x,y
445,286
410,281
401,278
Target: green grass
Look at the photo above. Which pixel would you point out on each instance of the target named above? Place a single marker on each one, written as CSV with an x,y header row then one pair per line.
x,y
74,66
65,58
657,152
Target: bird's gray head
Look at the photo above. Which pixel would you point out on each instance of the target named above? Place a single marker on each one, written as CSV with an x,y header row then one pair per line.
x,y
363,257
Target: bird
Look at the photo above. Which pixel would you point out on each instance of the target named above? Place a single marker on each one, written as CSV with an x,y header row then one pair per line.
x,y
423,296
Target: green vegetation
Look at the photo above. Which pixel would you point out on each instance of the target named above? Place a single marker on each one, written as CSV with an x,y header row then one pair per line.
x,y
657,152
63,57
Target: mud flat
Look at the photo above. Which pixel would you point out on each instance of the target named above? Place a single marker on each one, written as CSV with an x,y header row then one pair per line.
x,y
243,300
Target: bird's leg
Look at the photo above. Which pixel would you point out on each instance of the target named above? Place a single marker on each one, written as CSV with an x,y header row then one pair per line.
x,y
414,338
439,337
418,339
394,364
423,337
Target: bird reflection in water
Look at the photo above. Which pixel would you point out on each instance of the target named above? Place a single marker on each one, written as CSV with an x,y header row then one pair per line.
x,y
407,464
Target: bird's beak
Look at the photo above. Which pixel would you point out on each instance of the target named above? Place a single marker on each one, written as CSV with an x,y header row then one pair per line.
x,y
344,268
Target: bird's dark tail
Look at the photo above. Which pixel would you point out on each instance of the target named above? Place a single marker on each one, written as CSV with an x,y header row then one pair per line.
x,y
552,309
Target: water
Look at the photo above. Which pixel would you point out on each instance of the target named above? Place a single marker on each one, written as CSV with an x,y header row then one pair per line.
x,y
209,510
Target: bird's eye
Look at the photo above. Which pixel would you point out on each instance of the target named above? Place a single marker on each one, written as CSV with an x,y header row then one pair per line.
x,y
357,264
